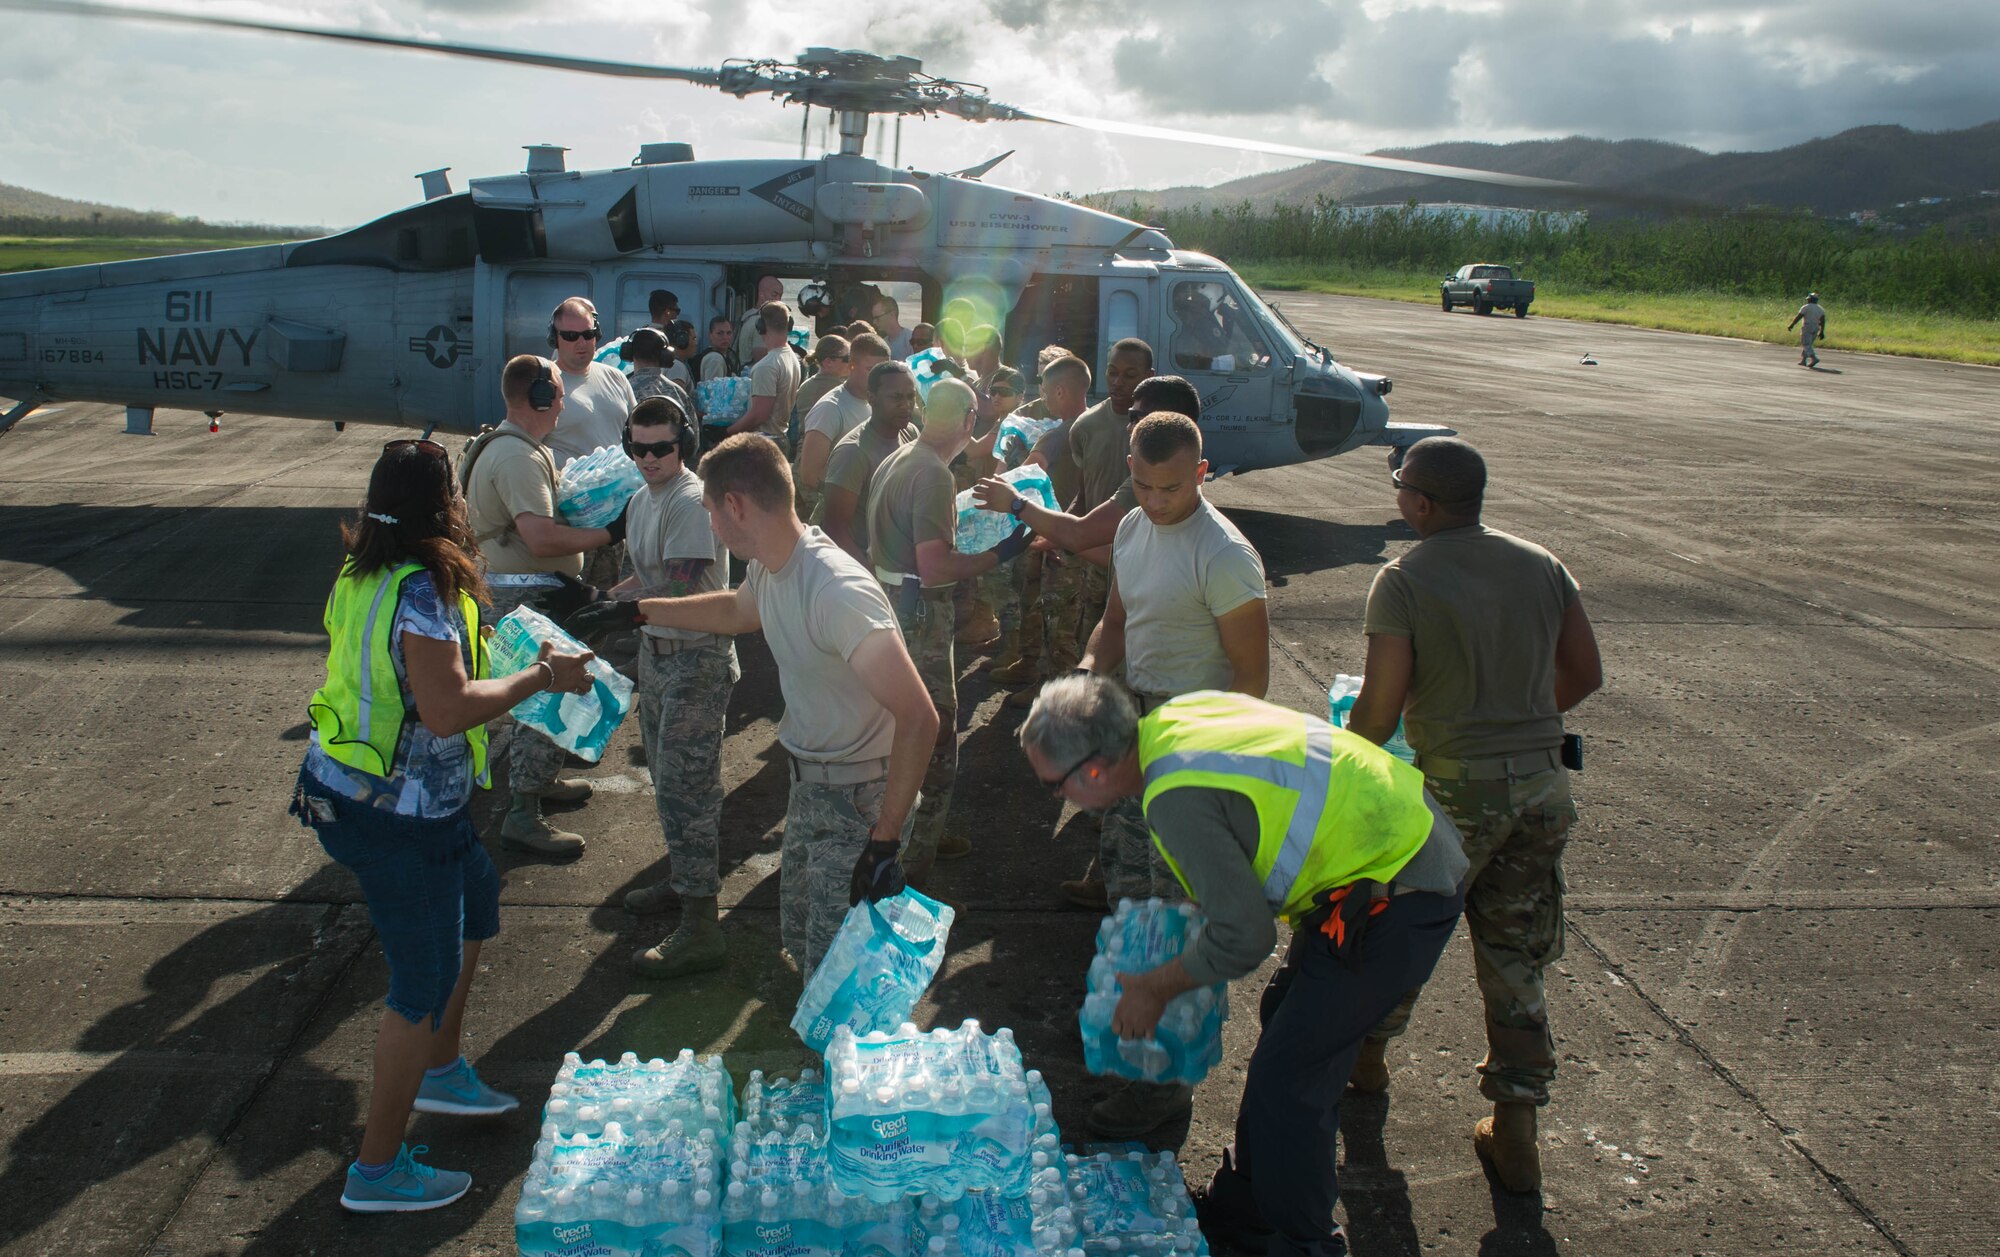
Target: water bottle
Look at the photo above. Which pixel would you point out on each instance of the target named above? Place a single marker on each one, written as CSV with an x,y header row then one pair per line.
x,y
1340,702
979,531
580,723
1186,1044
881,961
1018,434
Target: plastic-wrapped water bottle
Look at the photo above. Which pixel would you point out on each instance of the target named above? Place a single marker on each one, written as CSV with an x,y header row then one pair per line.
x,y
593,490
1187,1043
724,399
1018,434
979,531
878,966
580,723
1132,1203
1340,702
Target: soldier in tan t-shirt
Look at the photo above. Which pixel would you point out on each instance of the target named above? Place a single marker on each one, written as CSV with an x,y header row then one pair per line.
x,y
774,381
510,498
1479,642
892,400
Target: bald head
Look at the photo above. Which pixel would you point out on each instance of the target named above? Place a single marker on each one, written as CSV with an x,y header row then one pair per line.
x,y
948,409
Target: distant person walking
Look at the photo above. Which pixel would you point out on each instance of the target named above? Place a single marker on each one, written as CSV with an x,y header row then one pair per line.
x,y
398,742
1811,322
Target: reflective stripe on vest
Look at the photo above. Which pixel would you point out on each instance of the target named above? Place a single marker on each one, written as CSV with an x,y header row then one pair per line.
x,y
1331,807
358,714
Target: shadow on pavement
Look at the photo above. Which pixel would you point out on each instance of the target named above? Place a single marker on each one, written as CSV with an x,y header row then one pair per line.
x,y
1517,1226
1299,545
1377,1195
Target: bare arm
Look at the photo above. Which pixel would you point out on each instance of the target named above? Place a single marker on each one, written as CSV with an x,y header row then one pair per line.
x,y
840,505
724,612
1246,639
1075,535
1579,668
939,564
883,664
1385,685
450,702
1106,649
753,419
813,453
551,538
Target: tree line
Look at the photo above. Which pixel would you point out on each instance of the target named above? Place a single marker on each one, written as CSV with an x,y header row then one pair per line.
x,y
162,225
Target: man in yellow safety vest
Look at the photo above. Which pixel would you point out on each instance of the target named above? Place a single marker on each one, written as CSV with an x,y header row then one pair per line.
x,y
1261,813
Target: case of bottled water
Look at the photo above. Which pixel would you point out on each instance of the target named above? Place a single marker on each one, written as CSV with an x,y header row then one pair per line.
x,y
629,1162
1136,1202
724,399
581,723
1137,937
593,490
945,1112
979,531
1340,701
1018,434
879,965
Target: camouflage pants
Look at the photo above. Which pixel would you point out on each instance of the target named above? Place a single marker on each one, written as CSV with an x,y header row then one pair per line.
x,y
1128,859
604,566
1514,836
533,761
928,633
1073,596
825,829
682,701
1022,629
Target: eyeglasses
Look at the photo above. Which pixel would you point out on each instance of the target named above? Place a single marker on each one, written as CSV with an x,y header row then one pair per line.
x,y
425,444
1057,785
588,333
1396,478
658,449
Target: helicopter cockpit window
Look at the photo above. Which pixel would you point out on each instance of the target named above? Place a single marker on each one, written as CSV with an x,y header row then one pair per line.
x,y
1212,331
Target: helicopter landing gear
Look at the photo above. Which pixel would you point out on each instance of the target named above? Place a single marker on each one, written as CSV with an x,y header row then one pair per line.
x,y
138,421
340,425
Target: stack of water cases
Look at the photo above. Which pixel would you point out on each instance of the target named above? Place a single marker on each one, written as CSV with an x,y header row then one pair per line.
x,y
775,1204
579,723
1137,937
942,1112
629,1163
979,531
594,489
880,964
724,399
1136,1202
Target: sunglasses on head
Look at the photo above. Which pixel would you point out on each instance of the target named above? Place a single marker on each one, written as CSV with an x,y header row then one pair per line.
x,y
588,333
637,450
425,444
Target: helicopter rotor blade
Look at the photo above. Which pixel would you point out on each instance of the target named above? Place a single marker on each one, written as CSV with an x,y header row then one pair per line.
x,y
583,65
1369,160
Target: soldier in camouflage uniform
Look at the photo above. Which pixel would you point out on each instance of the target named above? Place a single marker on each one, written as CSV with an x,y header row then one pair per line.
x,y
1479,642
912,522
858,725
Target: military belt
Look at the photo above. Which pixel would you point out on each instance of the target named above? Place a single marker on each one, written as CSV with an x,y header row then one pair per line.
x,y
894,582
1504,768
674,645
852,773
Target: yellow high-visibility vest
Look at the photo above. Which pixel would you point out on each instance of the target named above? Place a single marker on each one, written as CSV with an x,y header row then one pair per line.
x,y
359,713
1332,807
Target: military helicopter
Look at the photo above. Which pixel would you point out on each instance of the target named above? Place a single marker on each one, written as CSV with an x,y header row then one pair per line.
x,y
406,320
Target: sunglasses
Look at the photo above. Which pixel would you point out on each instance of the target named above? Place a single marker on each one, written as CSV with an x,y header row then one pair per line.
x,y
425,444
833,358
588,333
658,449
1056,786
1396,479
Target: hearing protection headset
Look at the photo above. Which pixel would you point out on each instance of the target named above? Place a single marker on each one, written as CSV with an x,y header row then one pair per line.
x,y
585,303
542,392
689,441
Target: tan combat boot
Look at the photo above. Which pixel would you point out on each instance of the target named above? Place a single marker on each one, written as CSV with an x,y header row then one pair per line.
x,y
1507,1141
1371,1070
525,829
696,946
655,898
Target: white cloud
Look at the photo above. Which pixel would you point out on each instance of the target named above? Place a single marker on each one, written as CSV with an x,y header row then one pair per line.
x,y
240,126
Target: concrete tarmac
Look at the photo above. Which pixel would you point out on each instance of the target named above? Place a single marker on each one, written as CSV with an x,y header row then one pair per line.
x,y
1775,1016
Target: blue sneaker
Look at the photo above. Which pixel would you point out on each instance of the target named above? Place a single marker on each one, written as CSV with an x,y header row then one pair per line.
x,y
462,1092
409,1186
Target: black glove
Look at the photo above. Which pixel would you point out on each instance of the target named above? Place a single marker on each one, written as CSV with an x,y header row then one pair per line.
x,y
565,599
617,526
1013,544
877,875
603,617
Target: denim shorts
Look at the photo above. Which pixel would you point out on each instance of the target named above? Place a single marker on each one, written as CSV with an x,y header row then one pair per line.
x,y
429,885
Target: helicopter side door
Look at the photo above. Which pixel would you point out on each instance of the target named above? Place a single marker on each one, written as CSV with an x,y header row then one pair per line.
x,y
635,291
1123,311
1215,343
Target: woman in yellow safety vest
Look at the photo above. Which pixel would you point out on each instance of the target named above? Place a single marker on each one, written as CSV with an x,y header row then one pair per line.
x,y
1265,814
398,742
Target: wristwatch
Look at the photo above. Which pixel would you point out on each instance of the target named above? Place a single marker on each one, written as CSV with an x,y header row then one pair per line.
x,y
1014,507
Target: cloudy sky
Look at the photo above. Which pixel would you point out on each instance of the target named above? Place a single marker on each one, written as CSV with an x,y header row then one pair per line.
x,y
270,129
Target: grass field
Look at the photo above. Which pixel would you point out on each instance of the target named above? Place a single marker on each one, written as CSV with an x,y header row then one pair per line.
x,y
29,253
1856,329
